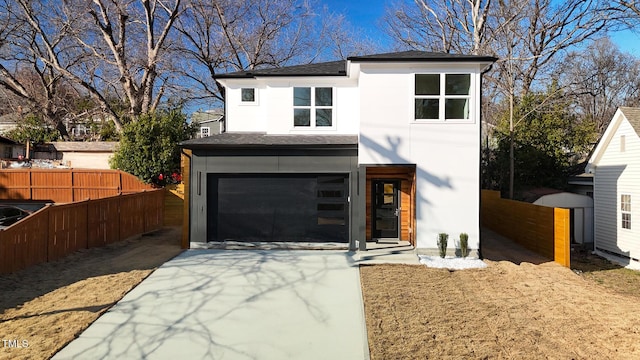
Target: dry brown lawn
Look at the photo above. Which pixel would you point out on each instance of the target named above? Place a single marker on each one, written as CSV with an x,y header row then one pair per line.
x,y
48,305
505,311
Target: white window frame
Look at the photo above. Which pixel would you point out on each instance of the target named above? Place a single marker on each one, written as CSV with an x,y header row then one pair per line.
x,y
313,107
255,96
205,131
443,97
625,211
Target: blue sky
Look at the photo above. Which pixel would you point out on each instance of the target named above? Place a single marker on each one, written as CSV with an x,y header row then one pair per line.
x,y
367,14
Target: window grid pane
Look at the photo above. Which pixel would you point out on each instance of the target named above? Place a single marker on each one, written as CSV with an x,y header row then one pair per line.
x,y
324,97
456,109
248,95
301,96
323,117
427,84
457,84
428,109
625,207
301,117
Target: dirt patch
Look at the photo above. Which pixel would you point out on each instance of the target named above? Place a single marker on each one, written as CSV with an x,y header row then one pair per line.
x,y
503,311
46,306
606,273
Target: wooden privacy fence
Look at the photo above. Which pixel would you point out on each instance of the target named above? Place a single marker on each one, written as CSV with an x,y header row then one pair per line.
x,y
60,229
544,230
66,185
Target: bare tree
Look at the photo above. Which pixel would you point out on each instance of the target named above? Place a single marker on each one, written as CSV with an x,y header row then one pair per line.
x,y
28,81
600,78
235,35
457,26
109,48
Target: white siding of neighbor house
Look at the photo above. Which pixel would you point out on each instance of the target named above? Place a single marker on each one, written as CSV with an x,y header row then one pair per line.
x,y
273,111
618,173
446,155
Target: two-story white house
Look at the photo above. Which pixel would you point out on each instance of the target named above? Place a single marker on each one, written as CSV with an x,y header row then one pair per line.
x,y
370,148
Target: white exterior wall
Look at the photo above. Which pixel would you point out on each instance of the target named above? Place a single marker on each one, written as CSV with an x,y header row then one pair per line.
x,y
446,155
241,116
273,110
618,173
79,160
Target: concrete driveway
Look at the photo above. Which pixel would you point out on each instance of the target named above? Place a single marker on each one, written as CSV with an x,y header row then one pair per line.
x,y
240,304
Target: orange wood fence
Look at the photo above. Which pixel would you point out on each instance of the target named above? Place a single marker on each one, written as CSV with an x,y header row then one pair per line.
x,y
66,185
544,230
60,229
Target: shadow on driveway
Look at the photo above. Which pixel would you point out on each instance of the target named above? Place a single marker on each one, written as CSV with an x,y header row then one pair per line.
x,y
236,304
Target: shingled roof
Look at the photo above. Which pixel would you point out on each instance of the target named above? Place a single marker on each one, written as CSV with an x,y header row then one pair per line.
x,y
338,68
262,140
633,116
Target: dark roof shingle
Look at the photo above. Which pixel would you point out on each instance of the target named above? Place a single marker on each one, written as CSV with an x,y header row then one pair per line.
x,y
253,140
633,116
338,68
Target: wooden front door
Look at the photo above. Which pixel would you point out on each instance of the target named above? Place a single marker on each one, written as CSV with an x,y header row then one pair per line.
x,y
386,209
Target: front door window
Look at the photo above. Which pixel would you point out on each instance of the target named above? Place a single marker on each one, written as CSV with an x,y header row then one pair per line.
x,y
386,209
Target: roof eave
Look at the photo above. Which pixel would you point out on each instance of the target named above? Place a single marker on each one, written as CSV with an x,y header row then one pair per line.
x,y
479,59
201,146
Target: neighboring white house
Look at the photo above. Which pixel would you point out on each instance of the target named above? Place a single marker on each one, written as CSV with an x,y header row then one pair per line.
x,y
374,147
615,164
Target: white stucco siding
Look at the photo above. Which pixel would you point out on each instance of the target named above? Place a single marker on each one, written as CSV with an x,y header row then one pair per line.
x,y
243,116
447,193
446,155
272,111
345,106
618,172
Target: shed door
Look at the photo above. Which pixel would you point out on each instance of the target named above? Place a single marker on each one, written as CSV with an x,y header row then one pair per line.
x,y
304,208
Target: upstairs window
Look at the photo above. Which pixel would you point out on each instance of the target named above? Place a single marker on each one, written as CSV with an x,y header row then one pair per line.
x,y
204,131
625,209
248,95
312,107
442,97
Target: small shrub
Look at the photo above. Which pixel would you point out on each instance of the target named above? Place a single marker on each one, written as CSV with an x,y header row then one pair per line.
x,y
464,245
442,244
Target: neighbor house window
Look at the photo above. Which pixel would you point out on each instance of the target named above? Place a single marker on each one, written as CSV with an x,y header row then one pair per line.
x,y
248,95
622,143
625,209
204,131
442,96
312,107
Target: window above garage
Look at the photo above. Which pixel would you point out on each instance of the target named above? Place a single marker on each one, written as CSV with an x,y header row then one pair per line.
x,y
313,107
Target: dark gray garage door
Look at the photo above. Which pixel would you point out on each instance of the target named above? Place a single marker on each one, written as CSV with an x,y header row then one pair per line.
x,y
286,207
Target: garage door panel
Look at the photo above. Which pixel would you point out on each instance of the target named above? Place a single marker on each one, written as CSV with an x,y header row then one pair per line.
x,y
277,208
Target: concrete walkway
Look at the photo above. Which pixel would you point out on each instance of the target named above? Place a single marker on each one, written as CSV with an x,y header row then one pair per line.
x,y
242,304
